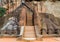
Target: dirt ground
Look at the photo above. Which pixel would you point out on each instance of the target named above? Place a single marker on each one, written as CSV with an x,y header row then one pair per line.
x,y
52,39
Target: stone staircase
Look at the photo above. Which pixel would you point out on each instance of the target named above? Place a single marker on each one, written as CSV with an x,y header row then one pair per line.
x,y
29,33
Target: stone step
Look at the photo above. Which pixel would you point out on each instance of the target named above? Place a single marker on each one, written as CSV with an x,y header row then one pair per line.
x,y
29,32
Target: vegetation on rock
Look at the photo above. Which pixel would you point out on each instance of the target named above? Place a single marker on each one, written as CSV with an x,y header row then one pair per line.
x,y
2,11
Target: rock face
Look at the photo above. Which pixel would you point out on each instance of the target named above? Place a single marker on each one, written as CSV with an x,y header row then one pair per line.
x,y
56,9
49,23
53,8
46,16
